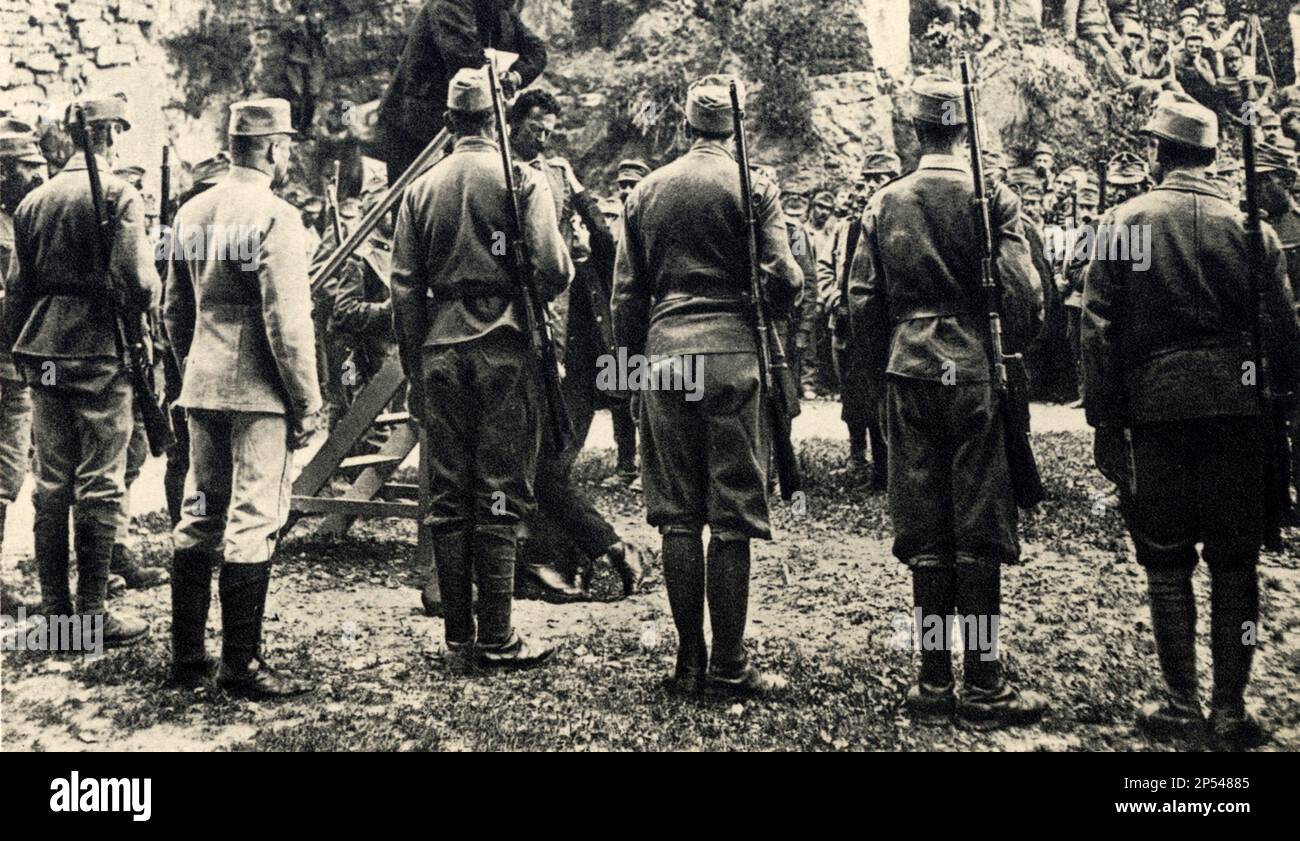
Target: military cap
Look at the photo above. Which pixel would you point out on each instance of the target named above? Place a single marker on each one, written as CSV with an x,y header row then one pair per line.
x,y
1199,34
1125,168
293,193
1021,175
937,99
1031,191
610,206
469,91
632,169
1268,117
312,204
260,117
882,162
1270,158
824,197
212,170
1132,27
1232,50
1089,193
1215,9
350,208
1224,165
708,103
1180,119
1075,173
131,171
1189,12
18,141
1044,148
1159,35
100,110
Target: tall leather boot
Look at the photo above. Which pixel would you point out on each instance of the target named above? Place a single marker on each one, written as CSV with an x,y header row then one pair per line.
x,y
683,556
988,699
52,561
499,646
1234,602
727,574
93,542
456,592
934,591
191,596
1173,623
242,588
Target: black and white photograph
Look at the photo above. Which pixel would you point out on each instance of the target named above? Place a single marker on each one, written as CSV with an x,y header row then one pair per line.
x,y
654,376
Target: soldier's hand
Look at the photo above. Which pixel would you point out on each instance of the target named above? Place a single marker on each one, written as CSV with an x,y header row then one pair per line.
x,y
1110,451
302,430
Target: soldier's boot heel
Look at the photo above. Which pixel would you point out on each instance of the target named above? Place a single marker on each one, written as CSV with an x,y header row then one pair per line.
x,y
730,672
191,583
931,704
1000,706
242,589
499,646
1171,719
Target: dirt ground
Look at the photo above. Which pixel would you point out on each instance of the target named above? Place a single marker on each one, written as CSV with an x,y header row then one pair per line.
x,y
829,610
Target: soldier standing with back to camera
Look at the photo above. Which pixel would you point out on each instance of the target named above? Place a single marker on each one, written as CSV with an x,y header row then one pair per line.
x,y
240,328
1166,351
914,295
681,289
461,335
67,352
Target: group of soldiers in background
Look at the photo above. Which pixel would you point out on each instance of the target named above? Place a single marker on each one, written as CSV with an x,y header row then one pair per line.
x,y
886,268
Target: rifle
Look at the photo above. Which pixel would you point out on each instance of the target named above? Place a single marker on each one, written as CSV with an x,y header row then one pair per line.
x,y
1102,184
1277,493
539,329
129,331
332,204
165,188
773,382
1012,395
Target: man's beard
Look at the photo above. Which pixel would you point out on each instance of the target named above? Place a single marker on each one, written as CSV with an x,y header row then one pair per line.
x,y
14,189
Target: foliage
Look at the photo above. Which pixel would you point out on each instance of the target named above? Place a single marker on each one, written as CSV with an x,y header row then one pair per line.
x,y
784,42
213,55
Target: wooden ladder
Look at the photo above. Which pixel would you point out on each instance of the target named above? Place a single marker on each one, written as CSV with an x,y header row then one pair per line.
x,y
370,490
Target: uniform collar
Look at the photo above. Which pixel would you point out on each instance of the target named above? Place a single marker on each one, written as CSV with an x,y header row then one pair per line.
x,y
248,175
956,162
473,143
1186,181
78,163
709,146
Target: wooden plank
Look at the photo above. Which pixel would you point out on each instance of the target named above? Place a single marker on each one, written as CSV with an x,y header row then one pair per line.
x,y
370,460
390,418
355,507
368,484
350,429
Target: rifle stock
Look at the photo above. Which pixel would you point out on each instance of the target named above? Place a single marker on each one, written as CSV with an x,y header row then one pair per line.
x,y
1277,493
772,378
1011,391
539,332
128,329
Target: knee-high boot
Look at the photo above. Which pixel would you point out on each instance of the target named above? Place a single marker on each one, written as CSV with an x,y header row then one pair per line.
x,y
191,582
1234,629
683,557
494,567
93,541
1173,623
52,561
727,574
455,588
243,588
987,698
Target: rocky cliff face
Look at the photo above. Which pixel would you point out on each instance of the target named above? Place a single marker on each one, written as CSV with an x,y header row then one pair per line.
x,y
618,66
